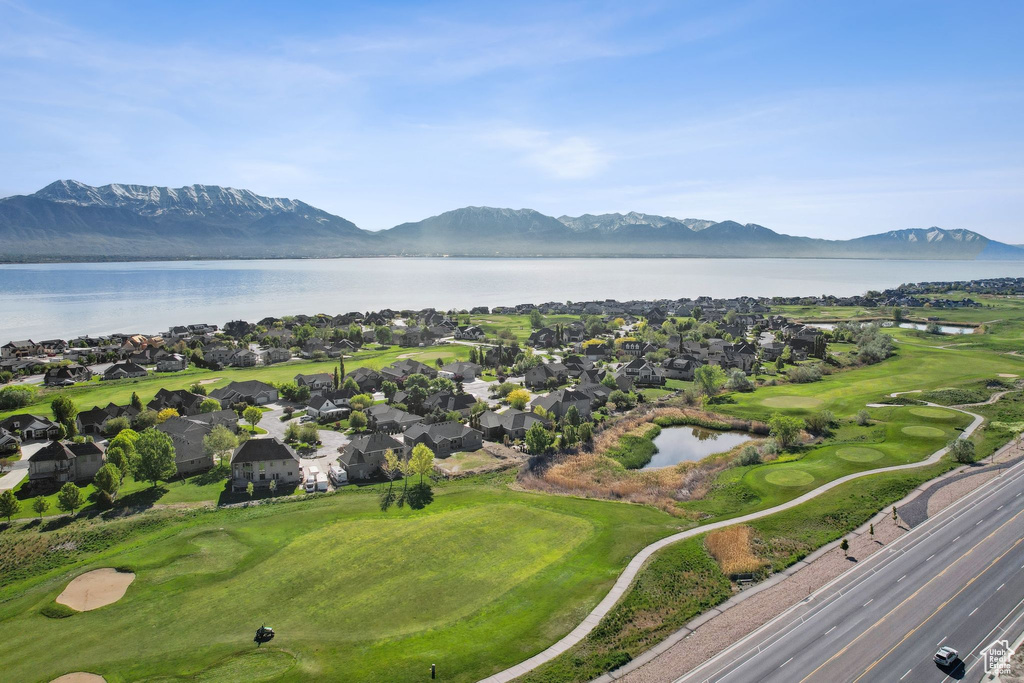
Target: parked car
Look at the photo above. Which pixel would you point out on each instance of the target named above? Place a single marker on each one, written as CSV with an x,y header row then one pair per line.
x,y
946,656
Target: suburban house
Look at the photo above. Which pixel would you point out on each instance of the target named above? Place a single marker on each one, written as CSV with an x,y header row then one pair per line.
x,y
470,332
273,355
244,358
364,455
189,452
597,392
58,463
185,402
66,375
446,402
680,367
31,427
444,438
94,420
558,402
460,371
263,460
399,371
8,443
124,370
317,383
577,365
219,355
252,391
322,407
512,422
20,349
172,362
367,379
390,420
538,376
543,338
643,373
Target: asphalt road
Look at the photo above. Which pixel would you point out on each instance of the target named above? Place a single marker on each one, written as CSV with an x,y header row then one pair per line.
x,y
956,580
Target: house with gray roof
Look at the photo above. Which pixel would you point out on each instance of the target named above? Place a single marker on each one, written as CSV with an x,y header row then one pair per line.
x,y
363,456
444,438
262,460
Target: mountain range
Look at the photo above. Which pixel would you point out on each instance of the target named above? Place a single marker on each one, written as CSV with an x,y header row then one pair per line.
x,y
71,221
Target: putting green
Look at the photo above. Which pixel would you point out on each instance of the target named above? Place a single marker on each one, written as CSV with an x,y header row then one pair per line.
x,y
792,402
859,454
933,413
789,477
921,430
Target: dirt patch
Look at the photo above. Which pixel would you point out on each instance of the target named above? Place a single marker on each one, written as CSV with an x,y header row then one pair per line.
x,y
79,677
96,589
209,381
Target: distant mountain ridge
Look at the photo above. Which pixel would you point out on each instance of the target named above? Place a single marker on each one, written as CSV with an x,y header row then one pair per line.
x,y
71,221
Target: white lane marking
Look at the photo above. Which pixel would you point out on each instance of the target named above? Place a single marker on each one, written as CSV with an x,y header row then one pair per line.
x,y
973,611
830,630
999,508
978,522
868,602
1001,586
906,674
901,578
930,557
941,641
955,539
786,662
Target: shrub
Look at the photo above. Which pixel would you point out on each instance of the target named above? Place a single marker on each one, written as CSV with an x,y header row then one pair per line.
x,y
749,456
863,418
804,374
962,451
12,398
738,381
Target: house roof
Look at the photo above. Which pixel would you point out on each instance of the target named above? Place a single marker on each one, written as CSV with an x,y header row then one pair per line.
x,y
53,451
262,450
354,452
438,431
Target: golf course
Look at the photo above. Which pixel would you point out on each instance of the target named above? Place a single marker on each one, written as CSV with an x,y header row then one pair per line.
x,y
480,575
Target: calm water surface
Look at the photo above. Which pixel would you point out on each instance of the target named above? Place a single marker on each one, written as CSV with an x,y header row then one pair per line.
x,y
689,444
65,300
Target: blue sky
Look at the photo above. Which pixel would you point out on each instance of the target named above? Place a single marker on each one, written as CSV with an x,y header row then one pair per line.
x,y
830,119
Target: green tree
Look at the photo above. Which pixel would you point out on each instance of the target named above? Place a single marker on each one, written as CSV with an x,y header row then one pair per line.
x,y
156,456
252,415
361,401
273,487
357,420
64,412
784,429
536,319
9,504
350,385
219,443
709,379
115,426
40,505
389,389
845,545
108,480
69,498
572,416
538,439
210,405
136,402
422,460
122,459
391,468
586,432
962,451
250,489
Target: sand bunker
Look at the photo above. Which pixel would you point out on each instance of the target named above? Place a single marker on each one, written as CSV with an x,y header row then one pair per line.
x,y
95,589
79,677
1007,374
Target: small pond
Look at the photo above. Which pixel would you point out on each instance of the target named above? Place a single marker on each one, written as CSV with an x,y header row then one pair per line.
x,y
945,329
682,444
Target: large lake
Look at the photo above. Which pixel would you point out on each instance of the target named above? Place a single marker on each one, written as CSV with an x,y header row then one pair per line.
x,y
64,300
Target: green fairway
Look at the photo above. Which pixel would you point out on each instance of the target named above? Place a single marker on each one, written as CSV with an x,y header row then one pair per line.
x,y
860,454
922,430
789,477
933,413
478,580
791,402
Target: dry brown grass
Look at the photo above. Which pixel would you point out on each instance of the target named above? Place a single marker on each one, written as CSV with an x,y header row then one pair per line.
x,y
731,549
595,475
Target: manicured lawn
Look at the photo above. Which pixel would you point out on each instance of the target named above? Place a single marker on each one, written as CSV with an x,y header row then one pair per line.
x,y
478,580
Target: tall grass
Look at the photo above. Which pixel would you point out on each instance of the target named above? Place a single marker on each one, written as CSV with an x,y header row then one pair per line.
x,y
731,549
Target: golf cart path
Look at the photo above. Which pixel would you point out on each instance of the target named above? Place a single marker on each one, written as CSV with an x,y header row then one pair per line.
x,y
625,579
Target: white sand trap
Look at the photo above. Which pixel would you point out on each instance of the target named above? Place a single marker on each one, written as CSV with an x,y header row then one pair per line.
x,y
95,589
209,381
1007,374
79,677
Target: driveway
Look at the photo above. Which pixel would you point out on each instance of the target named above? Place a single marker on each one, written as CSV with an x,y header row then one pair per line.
x,y
19,468
325,456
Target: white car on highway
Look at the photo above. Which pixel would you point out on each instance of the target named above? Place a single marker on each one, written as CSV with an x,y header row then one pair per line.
x,y
946,656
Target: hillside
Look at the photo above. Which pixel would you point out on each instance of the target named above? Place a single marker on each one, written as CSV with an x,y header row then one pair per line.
x,y
71,221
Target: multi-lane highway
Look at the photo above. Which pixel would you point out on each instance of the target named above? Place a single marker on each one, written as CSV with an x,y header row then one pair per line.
x,y
956,580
